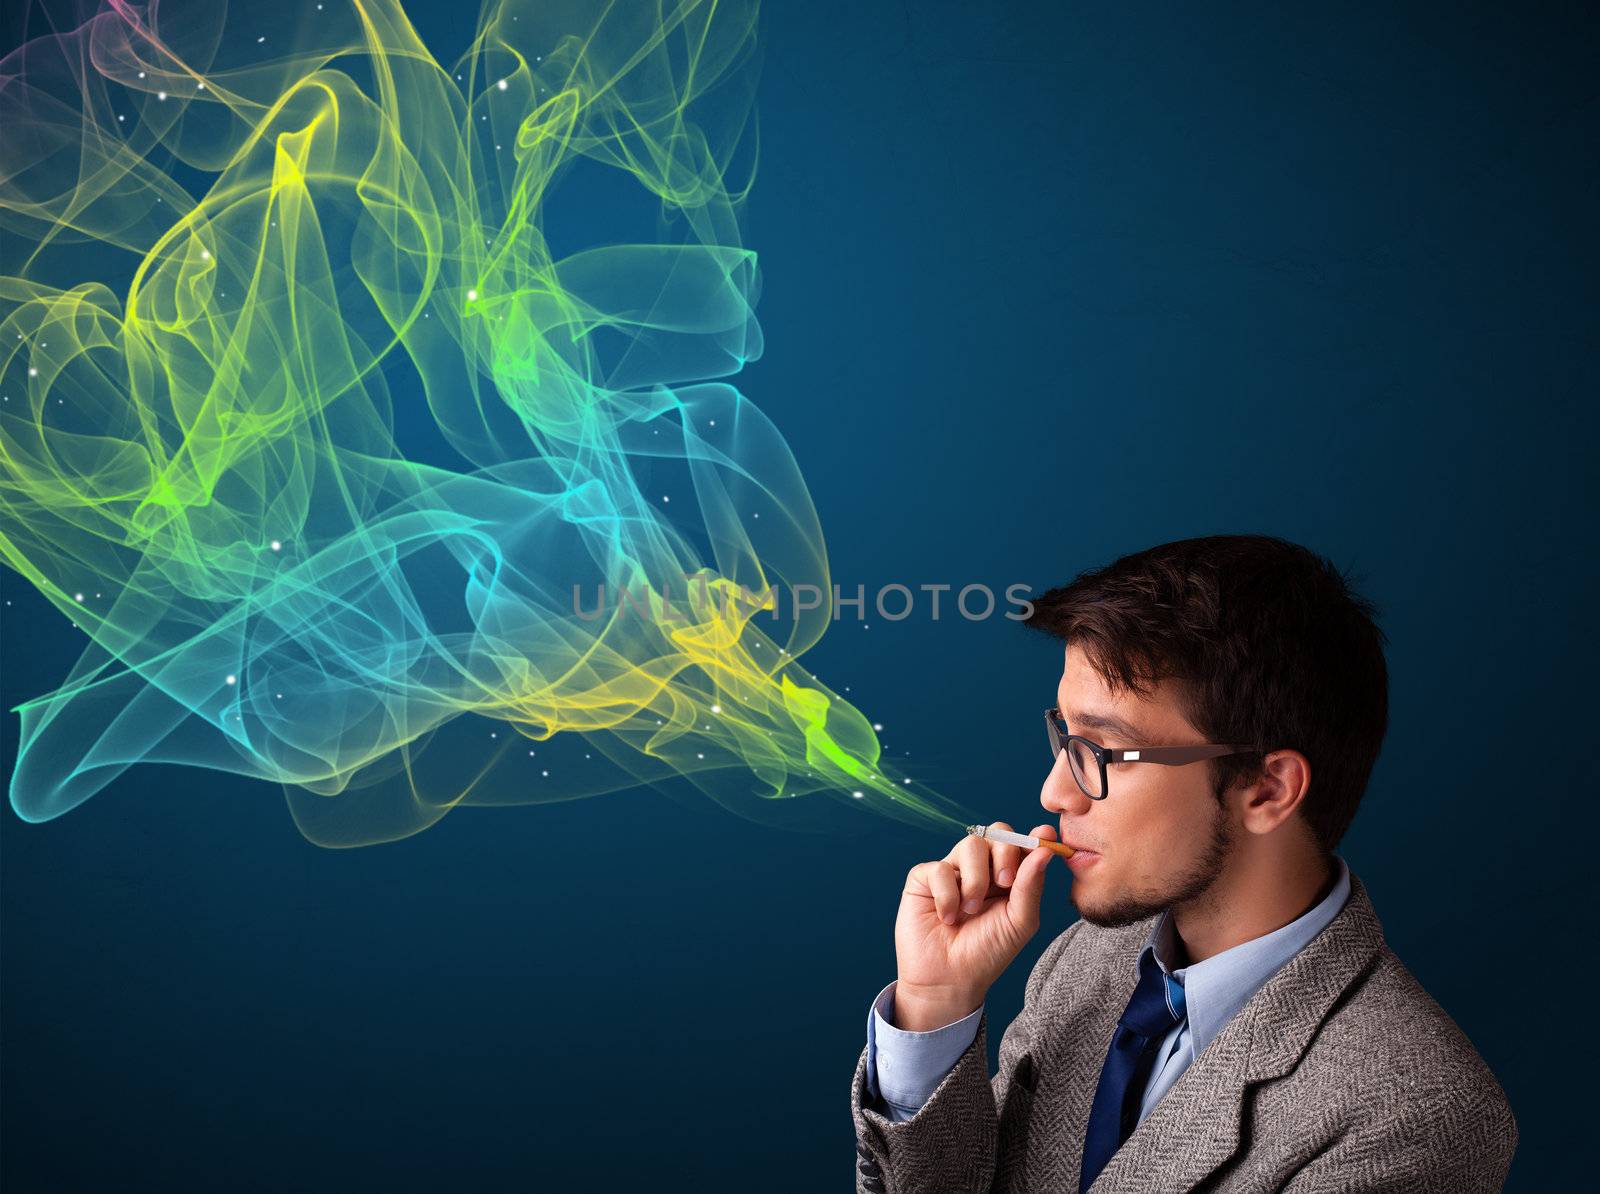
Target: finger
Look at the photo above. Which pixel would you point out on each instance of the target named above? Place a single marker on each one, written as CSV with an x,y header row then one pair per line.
x,y
1004,858
1028,889
944,885
973,861
970,858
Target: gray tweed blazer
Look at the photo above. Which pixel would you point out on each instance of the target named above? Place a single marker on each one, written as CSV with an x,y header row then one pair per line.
x,y
1341,1073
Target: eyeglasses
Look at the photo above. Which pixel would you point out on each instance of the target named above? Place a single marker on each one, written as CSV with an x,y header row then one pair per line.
x,y
1088,759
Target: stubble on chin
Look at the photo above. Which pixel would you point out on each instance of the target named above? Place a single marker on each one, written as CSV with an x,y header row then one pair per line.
x,y
1115,914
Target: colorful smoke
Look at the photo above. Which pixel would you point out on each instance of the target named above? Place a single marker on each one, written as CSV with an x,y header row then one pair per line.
x,y
312,430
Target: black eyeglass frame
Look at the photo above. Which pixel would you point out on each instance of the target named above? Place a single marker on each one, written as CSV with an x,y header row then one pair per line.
x,y
1167,756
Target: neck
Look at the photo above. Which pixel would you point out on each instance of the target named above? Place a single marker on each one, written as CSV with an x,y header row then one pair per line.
x,y
1263,886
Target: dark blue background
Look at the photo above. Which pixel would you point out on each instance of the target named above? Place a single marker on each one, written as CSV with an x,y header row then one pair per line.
x,y
1044,284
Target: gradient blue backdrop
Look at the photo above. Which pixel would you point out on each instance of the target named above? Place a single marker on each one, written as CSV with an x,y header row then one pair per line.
x,y
1044,284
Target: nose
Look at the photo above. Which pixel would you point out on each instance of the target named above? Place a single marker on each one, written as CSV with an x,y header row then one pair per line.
x,y
1061,793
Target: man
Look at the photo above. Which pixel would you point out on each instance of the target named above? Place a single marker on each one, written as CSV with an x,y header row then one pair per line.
x,y
1225,1014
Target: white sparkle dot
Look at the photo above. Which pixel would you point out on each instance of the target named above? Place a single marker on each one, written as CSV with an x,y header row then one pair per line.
x,y
713,422
857,795
277,545
259,40
77,596
905,781
492,734
544,773
205,254
121,117
698,755
200,86
233,679
161,95
877,725
472,296
666,497
501,84
280,696
716,708
141,74
32,372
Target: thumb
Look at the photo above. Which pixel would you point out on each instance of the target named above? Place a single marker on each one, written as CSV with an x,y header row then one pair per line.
x,y
1027,890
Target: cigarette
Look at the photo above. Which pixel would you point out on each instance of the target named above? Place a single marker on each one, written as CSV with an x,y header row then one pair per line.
x,y
1019,839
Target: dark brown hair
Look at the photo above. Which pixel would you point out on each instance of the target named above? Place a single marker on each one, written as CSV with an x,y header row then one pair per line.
x,y
1268,642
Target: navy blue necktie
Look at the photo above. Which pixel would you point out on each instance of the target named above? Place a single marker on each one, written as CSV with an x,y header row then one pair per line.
x,y
1156,1005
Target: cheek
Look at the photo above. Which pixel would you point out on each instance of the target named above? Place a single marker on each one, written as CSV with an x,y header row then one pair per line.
x,y
1163,828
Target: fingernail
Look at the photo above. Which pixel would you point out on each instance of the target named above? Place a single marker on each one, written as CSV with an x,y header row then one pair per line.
x,y
1005,877
972,906
949,918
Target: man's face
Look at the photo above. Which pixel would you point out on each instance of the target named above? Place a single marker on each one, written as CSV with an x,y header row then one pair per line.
x,y
1160,837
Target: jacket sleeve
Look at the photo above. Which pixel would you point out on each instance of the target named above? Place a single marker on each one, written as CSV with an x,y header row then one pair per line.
x,y
949,1146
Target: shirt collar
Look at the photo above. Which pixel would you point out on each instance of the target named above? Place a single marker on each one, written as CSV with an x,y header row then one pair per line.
x,y
1214,990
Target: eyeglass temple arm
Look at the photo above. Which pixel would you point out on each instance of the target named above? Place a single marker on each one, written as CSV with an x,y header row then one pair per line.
x,y
1170,755
1174,755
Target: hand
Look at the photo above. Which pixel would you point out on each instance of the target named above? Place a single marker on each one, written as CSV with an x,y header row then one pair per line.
x,y
962,920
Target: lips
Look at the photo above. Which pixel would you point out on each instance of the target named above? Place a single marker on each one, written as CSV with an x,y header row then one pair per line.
x,y
1081,860
1083,856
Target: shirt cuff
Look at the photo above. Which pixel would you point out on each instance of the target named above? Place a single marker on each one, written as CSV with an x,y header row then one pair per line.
x,y
904,1068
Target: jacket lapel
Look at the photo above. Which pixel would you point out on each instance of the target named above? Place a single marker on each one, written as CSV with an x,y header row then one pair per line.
x,y
1102,992
1196,1126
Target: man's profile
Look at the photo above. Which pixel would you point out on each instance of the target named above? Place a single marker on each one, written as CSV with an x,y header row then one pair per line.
x,y
1225,1014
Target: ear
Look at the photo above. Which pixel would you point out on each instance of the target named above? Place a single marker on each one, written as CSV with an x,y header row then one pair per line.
x,y
1274,796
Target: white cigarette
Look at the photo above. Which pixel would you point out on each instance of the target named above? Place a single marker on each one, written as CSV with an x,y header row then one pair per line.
x,y
1018,839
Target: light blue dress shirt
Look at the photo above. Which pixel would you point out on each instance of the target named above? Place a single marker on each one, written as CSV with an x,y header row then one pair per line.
x,y
904,1068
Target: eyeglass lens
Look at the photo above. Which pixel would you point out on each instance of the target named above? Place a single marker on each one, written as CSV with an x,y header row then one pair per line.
x,y
1085,767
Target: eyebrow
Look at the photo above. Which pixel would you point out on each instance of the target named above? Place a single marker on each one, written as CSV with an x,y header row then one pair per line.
x,y
1098,721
